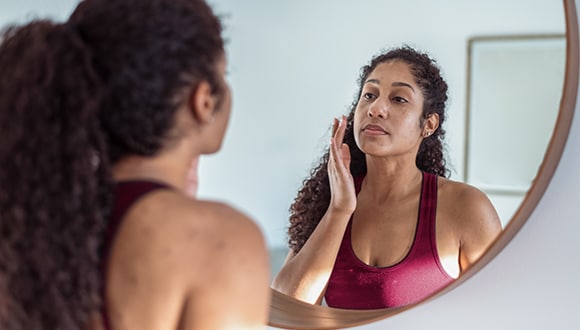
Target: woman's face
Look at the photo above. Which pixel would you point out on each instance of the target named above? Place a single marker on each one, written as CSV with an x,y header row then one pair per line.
x,y
387,119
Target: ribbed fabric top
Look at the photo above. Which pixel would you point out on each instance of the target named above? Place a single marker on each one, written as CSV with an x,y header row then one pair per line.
x,y
355,285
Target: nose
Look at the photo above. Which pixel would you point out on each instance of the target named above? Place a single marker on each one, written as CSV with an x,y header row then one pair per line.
x,y
378,109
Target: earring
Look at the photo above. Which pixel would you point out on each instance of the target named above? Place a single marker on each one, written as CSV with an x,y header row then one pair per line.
x,y
427,134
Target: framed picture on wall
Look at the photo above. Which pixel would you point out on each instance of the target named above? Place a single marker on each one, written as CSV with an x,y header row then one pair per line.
x,y
514,85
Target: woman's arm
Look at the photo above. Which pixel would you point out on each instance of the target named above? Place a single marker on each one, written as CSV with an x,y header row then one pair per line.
x,y
305,274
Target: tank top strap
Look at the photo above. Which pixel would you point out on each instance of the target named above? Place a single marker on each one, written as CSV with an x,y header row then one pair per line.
x,y
425,235
126,194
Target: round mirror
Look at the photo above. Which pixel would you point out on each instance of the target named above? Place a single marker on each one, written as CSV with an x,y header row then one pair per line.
x,y
293,67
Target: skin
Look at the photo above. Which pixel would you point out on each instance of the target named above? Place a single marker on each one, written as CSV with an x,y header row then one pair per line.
x,y
178,262
388,128
192,179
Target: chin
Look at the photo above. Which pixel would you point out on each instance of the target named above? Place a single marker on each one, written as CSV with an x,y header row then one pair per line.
x,y
375,150
208,150
212,151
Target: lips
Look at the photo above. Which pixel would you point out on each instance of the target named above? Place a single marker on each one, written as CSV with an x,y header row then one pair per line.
x,y
374,129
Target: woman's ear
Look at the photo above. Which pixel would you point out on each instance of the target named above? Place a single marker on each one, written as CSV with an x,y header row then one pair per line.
x,y
202,103
431,124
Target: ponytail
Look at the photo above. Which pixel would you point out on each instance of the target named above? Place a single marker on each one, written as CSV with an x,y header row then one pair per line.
x,y
54,179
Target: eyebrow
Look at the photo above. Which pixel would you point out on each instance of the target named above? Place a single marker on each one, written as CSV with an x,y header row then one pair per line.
x,y
396,83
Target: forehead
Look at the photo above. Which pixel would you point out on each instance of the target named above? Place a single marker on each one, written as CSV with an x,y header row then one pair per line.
x,y
394,70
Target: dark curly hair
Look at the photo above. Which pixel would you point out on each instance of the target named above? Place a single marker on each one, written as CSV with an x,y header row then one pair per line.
x,y
75,97
313,198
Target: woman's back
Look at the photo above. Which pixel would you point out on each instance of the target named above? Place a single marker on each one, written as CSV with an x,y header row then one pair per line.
x,y
195,272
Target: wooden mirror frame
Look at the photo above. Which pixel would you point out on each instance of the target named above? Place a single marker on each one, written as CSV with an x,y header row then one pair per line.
x,y
289,313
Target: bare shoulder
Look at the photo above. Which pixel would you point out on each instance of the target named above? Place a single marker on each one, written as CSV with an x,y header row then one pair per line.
x,y
203,236
465,201
208,224
472,217
172,249
228,264
233,233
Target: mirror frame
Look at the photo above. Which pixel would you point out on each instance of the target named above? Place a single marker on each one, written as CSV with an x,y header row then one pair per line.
x,y
289,313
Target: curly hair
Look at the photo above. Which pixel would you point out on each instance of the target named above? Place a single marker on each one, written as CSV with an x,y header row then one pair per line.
x,y
76,97
313,198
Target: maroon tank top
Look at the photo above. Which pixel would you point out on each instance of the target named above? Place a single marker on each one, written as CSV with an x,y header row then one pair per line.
x,y
126,194
355,285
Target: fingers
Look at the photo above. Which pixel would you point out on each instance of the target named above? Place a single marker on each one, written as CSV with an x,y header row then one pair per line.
x,y
338,130
335,123
334,142
345,155
339,158
343,196
339,136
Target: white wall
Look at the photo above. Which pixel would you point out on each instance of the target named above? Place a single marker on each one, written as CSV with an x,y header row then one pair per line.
x,y
24,10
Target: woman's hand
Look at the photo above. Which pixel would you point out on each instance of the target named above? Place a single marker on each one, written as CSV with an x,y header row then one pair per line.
x,y
342,191
305,273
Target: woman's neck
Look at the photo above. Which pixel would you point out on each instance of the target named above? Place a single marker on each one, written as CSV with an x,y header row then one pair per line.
x,y
388,179
169,166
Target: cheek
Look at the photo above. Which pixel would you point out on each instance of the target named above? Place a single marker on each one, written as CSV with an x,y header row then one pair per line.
x,y
410,120
226,106
227,98
222,115
358,116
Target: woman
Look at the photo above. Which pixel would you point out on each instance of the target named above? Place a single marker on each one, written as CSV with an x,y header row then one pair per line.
x,y
377,224
101,119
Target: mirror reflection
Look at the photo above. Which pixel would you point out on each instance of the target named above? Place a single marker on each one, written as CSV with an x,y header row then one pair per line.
x,y
293,68
377,224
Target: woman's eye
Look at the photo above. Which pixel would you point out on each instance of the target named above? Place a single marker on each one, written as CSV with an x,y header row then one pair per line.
x,y
399,99
369,96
